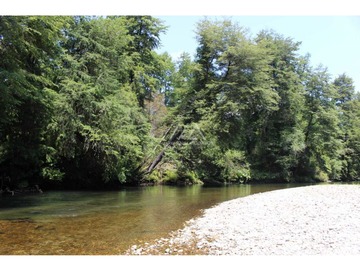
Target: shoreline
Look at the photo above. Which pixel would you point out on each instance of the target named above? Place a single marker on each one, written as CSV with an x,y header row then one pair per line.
x,y
310,220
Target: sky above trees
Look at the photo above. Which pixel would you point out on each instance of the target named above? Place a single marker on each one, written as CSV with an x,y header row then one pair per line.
x,y
332,41
328,30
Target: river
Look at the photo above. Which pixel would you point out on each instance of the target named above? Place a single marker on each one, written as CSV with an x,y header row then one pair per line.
x,y
105,223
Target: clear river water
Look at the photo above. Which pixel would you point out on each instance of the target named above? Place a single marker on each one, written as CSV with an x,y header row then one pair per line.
x,y
106,223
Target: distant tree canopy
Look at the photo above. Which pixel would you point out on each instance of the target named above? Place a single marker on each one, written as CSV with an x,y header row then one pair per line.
x,y
86,102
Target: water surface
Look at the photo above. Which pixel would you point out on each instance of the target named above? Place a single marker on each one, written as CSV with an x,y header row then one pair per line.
x,y
105,222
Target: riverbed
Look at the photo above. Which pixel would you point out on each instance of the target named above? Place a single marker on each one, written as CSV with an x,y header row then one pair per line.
x,y
312,220
106,223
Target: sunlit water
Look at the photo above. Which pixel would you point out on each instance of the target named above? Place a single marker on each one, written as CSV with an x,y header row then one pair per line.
x,y
105,222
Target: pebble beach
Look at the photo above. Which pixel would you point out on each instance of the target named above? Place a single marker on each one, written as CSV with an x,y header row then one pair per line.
x,y
311,220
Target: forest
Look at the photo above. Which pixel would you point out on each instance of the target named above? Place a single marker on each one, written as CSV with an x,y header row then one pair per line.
x,y
87,103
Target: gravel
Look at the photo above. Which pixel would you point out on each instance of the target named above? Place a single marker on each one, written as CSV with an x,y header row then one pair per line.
x,y
311,220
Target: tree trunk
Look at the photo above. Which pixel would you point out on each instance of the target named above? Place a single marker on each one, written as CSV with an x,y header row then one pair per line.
x,y
177,133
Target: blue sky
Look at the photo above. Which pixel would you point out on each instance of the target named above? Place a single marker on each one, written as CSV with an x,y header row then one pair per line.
x,y
328,29
333,41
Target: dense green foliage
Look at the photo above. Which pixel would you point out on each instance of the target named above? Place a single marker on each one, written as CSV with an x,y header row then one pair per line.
x,y
86,102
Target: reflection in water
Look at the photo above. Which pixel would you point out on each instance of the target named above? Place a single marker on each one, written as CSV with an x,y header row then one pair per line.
x,y
105,222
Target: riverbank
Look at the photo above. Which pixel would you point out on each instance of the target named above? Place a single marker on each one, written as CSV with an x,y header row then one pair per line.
x,y
311,220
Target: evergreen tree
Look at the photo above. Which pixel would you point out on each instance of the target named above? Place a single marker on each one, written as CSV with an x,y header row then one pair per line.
x,y
100,131
281,137
347,102
321,159
29,47
145,32
87,103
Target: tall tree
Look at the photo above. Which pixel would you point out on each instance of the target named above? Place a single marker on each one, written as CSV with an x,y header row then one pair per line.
x,y
28,49
321,158
281,138
145,32
347,102
100,130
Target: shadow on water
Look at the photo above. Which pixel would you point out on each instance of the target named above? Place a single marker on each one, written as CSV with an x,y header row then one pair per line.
x,y
106,222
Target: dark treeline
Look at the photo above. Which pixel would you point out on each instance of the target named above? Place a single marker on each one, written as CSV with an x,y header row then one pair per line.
x,y
86,102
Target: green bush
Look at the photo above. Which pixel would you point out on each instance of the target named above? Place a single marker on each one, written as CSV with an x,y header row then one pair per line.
x,y
170,177
153,177
189,178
